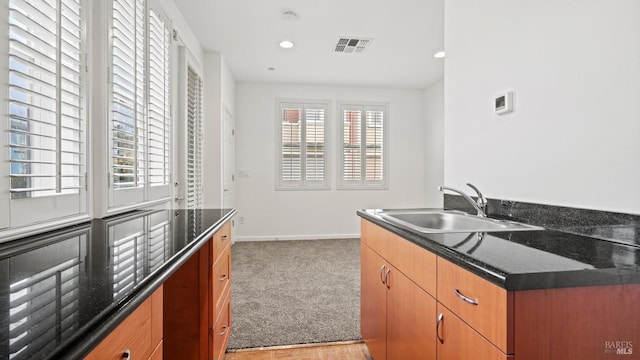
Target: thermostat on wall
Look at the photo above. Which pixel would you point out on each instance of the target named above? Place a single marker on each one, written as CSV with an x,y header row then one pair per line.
x,y
504,103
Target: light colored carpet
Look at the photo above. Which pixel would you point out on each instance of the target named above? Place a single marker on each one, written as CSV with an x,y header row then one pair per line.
x,y
294,292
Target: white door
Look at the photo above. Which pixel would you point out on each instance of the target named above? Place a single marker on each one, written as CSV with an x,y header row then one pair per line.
x,y
228,160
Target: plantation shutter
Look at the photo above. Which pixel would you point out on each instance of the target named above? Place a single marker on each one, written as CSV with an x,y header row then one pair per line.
x,y
291,148
159,114
46,107
314,144
363,153
351,147
374,146
128,112
140,103
194,139
302,145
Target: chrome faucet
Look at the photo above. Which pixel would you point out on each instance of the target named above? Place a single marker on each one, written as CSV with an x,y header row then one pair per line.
x,y
480,206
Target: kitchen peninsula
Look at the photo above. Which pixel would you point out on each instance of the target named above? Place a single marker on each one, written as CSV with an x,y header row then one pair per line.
x,y
63,292
527,295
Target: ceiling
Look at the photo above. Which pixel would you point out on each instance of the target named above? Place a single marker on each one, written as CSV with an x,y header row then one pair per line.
x,y
405,33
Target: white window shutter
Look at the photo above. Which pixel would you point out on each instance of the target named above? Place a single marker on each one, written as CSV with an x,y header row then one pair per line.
x,y
363,159
45,110
194,139
315,164
302,152
128,94
141,130
291,140
46,101
159,111
352,145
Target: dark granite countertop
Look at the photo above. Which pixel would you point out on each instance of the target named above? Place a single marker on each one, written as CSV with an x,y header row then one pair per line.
x,y
62,292
525,260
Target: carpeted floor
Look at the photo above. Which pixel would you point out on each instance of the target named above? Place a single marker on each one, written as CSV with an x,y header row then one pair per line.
x,y
294,292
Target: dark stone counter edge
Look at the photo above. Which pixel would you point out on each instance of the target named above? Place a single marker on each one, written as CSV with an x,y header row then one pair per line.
x,y
513,282
102,325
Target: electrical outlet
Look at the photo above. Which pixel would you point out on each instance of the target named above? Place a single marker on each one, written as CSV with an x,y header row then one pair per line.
x,y
241,220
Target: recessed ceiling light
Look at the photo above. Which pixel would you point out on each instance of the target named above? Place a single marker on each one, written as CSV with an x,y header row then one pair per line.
x,y
286,44
439,55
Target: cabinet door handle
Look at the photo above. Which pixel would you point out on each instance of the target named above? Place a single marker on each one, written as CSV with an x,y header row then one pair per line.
x,y
382,274
224,330
440,319
224,237
387,278
223,278
126,355
466,299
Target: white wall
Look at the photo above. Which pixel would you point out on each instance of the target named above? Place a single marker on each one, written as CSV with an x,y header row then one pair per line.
x,y
266,214
434,142
574,138
219,93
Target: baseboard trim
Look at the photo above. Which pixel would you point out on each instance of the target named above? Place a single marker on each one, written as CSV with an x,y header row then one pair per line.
x,y
297,346
296,237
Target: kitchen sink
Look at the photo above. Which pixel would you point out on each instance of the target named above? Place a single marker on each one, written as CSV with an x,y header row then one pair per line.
x,y
446,221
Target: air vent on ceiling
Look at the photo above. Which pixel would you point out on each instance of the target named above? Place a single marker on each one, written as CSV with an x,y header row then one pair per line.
x,y
352,45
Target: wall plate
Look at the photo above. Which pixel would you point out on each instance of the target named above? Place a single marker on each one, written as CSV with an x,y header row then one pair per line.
x,y
503,104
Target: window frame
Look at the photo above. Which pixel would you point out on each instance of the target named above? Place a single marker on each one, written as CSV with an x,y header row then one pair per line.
x,y
363,183
303,184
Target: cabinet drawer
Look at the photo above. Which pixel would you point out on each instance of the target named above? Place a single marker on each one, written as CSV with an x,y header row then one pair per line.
x,y
456,340
140,333
484,306
415,262
221,239
221,279
222,330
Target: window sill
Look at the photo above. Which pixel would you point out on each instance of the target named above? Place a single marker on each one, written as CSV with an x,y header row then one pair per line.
x,y
303,188
362,187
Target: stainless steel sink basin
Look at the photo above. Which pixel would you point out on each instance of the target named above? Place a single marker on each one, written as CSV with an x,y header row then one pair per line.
x,y
445,221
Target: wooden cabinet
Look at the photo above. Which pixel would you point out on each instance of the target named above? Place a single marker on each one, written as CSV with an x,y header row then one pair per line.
x,y
396,313
139,335
478,320
486,307
197,305
373,302
458,341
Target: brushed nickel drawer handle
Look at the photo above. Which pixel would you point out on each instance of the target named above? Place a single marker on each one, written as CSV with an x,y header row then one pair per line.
x,y
466,299
223,278
440,318
224,330
126,355
387,278
382,274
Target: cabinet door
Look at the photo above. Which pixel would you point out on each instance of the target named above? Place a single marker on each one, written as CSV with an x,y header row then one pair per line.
x,y
139,334
460,342
411,332
373,314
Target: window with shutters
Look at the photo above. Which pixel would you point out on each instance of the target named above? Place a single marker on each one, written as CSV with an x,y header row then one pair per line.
x,y
363,153
46,105
194,139
140,108
302,145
